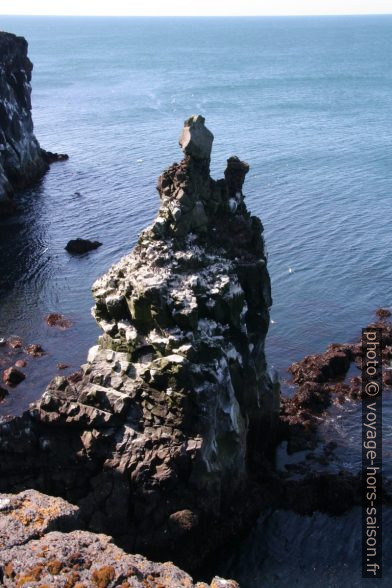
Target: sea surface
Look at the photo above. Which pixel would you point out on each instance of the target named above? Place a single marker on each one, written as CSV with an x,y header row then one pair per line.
x,y
307,102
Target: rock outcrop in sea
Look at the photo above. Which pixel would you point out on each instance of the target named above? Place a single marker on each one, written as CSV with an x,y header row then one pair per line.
x,y
22,161
156,438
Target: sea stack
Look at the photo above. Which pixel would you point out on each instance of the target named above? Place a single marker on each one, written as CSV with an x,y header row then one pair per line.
x,y
156,439
22,161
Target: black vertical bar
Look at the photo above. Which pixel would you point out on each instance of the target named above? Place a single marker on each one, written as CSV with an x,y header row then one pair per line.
x,y
372,453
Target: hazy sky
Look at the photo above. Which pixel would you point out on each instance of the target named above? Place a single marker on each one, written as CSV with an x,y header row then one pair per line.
x,y
194,7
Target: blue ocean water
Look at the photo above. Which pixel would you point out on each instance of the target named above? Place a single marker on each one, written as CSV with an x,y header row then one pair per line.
x,y
306,101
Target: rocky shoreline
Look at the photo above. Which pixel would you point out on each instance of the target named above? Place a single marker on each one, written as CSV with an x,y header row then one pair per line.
x,y
22,160
165,439
321,380
164,442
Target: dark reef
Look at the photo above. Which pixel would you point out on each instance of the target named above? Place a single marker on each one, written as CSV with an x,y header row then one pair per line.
x,y
79,246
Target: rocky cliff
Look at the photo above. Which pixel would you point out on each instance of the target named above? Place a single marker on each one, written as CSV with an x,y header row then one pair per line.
x,y
22,161
157,435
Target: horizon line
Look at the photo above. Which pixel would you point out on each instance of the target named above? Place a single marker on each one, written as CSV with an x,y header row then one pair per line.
x,y
202,15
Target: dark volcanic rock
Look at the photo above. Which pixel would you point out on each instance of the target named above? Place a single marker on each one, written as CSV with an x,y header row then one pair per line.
x,y
320,381
322,367
196,140
81,245
15,342
383,313
62,366
22,161
319,378
156,437
75,377
53,157
313,484
35,350
55,319
12,376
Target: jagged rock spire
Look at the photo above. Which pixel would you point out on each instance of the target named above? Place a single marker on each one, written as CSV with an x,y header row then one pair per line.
x,y
196,140
155,439
193,203
235,175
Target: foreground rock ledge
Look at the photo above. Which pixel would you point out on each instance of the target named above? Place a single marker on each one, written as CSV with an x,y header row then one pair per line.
x,y
155,439
33,554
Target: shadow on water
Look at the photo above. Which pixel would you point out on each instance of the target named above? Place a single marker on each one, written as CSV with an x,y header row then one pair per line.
x,y
287,549
22,240
25,270
33,282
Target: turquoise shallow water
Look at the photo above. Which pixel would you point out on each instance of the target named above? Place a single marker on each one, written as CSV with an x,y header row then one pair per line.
x,y
306,101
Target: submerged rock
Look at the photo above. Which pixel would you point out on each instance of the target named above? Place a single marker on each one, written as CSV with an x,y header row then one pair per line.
x,y
383,313
22,161
15,342
156,438
35,349
53,157
20,363
81,245
55,319
62,366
